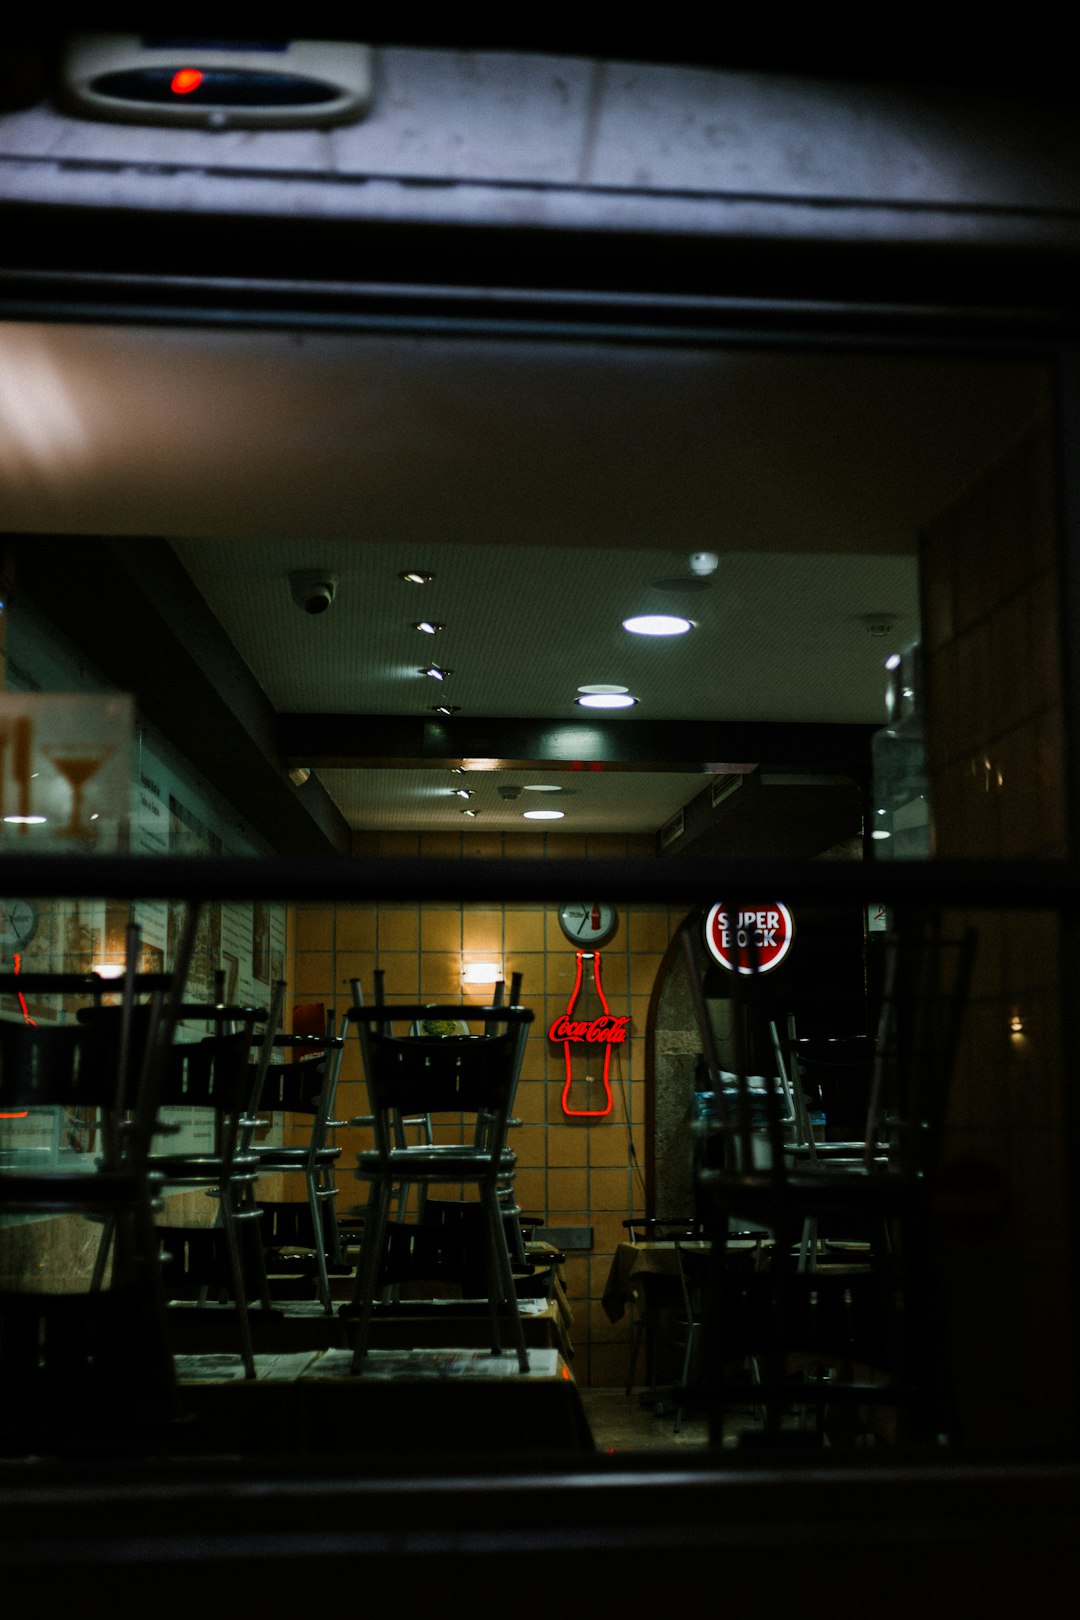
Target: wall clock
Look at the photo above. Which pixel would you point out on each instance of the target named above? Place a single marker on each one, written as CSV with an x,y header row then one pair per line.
x,y
18,925
588,922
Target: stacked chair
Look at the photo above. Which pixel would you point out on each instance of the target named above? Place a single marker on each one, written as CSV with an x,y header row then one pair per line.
x,y
302,1090
872,1330
472,1078
88,1370
207,1071
215,1076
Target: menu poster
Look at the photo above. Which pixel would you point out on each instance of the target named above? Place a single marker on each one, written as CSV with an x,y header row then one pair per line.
x,y
206,951
236,955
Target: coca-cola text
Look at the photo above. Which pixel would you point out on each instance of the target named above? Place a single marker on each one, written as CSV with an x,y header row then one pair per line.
x,y
606,1028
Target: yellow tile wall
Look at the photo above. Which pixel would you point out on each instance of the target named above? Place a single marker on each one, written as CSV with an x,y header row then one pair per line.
x,y
584,1172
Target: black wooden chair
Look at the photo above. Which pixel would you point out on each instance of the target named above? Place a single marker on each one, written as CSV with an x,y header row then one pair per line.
x,y
85,1363
303,1092
472,1079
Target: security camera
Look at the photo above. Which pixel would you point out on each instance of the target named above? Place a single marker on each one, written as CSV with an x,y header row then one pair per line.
x,y
509,792
703,562
313,589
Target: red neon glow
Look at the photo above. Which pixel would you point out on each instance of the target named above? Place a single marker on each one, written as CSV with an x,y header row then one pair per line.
x,y
23,1113
185,80
22,999
604,1030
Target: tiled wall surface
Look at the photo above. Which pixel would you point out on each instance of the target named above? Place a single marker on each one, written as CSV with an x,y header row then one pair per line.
x,y
571,1172
996,756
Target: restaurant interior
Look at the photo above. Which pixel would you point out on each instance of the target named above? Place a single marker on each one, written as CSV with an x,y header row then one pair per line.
x,y
307,607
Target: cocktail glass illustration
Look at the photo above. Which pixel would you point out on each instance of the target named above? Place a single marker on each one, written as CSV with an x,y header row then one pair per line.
x,y
77,763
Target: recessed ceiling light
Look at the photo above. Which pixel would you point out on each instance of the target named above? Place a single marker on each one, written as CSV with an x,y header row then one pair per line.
x,y
542,787
543,815
436,672
418,576
446,708
606,700
429,627
602,687
462,793
657,624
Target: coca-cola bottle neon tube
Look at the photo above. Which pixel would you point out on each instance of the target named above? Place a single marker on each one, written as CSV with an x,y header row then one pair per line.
x,y
605,1030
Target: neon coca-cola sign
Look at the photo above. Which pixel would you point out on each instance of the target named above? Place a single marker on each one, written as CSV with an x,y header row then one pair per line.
x,y
606,1030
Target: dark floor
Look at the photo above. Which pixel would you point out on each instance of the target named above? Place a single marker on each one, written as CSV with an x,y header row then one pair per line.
x,y
622,1422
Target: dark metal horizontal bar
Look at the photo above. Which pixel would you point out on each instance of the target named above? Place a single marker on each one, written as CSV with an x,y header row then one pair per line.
x,y
355,739
1034,885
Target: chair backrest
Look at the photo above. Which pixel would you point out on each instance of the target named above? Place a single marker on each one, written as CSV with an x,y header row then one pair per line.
x,y
55,1066
95,1065
213,1072
453,1074
303,1086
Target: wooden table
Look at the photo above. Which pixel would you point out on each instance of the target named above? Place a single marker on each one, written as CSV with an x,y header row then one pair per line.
x,y
644,1277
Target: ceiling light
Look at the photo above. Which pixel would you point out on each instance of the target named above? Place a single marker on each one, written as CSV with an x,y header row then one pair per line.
x,y
418,576
657,624
436,672
470,812
703,562
603,687
879,832
26,821
445,708
299,775
606,700
462,793
428,627
543,815
542,787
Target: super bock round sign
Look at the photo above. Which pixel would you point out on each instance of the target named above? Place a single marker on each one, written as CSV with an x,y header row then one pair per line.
x,y
753,941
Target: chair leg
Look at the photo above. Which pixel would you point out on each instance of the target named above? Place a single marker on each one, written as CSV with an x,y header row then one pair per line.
x,y
367,1273
637,1333
239,1286
315,1206
502,1277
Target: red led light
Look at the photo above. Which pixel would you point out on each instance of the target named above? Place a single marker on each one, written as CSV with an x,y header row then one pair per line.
x,y
185,80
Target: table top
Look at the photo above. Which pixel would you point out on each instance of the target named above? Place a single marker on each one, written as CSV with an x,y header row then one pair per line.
x,y
633,1265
